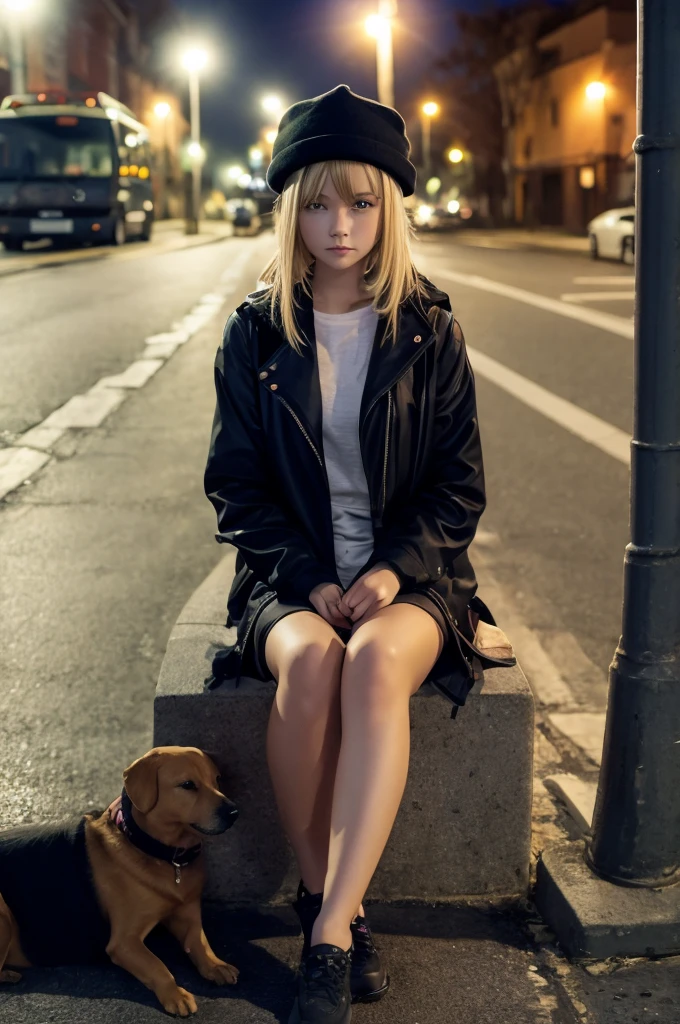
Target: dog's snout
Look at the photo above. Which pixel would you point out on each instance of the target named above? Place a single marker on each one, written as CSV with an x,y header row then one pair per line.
x,y
228,813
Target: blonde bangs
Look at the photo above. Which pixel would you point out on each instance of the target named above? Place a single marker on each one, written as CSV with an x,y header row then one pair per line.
x,y
390,276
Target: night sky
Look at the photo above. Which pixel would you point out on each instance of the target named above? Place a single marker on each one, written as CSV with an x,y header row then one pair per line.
x,y
300,48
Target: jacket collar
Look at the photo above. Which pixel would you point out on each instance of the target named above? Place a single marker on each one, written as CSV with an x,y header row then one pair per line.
x,y
297,377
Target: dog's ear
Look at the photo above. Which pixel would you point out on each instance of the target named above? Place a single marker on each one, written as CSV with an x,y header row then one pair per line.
x,y
141,781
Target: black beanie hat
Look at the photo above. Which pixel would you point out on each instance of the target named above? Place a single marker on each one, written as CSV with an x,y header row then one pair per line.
x,y
340,125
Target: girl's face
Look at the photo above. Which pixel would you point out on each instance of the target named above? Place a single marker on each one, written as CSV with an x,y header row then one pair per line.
x,y
336,234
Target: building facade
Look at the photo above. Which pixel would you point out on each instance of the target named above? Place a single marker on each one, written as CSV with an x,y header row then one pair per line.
x,y
106,46
569,147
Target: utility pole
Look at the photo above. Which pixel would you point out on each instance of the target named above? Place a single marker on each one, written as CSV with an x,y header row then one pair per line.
x,y
17,49
385,53
636,826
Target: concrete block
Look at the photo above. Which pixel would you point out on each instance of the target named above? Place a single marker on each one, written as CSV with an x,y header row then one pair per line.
x,y
464,826
595,918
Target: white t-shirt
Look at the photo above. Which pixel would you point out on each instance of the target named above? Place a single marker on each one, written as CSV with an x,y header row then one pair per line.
x,y
343,343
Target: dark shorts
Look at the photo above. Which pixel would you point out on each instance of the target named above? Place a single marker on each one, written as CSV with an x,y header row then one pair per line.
x,y
276,610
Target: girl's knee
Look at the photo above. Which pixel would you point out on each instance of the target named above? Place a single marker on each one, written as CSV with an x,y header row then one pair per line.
x,y
309,674
372,672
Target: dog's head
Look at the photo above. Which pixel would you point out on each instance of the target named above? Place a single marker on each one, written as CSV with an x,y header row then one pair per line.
x,y
180,785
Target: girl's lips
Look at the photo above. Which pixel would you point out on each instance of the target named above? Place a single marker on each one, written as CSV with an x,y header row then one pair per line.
x,y
340,248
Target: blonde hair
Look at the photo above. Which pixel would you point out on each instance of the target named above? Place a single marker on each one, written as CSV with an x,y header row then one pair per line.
x,y
390,276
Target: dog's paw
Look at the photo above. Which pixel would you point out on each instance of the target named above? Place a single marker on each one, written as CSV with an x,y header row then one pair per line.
x,y
8,977
221,973
179,1002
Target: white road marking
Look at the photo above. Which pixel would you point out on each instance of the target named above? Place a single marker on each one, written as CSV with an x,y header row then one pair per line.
x,y
136,375
577,421
88,410
31,450
17,465
176,337
622,279
160,349
578,795
584,728
596,296
606,321
42,437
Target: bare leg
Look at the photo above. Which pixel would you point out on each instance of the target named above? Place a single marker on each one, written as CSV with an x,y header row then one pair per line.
x,y
305,655
386,660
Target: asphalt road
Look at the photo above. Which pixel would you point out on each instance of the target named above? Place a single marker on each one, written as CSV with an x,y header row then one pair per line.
x,y
102,547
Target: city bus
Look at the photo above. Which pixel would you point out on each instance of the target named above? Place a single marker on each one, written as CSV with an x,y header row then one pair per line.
x,y
73,169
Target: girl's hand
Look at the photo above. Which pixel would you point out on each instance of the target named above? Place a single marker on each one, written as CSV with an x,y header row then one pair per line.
x,y
325,598
376,589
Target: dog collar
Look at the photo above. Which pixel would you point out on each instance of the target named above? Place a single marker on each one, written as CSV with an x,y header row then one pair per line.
x,y
120,812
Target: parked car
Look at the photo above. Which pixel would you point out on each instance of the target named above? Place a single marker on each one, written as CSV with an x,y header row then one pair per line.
x,y
612,235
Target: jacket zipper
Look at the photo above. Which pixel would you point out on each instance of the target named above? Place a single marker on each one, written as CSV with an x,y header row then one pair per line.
x,y
307,438
387,451
240,647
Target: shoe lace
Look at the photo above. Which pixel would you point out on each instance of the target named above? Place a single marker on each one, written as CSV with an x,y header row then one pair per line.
x,y
362,941
325,976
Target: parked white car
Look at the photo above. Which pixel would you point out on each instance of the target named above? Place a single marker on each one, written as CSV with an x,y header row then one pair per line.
x,y
612,235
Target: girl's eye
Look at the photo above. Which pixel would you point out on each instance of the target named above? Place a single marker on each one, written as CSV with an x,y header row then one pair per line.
x,y
311,205
368,205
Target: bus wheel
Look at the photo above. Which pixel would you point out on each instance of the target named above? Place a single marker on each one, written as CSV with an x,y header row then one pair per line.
x,y
119,233
13,244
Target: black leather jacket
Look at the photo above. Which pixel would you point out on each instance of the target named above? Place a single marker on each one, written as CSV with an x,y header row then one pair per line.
x,y
419,441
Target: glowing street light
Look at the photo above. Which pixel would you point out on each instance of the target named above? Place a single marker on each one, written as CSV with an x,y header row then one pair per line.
x,y
196,151
427,111
270,136
379,27
162,110
234,172
455,155
596,90
272,104
194,60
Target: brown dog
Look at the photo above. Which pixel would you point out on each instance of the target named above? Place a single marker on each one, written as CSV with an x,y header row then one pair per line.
x,y
144,865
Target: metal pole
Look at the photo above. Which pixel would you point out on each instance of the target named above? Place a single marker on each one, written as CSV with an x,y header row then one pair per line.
x,y
384,54
425,122
164,171
636,826
17,53
195,115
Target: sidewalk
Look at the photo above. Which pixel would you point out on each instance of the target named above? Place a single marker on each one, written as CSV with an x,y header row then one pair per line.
x,y
168,236
521,238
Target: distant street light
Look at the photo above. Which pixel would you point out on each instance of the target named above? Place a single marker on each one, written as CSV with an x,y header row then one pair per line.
x,y
596,90
234,172
272,104
270,136
379,27
17,52
455,155
428,111
193,61
256,156
162,112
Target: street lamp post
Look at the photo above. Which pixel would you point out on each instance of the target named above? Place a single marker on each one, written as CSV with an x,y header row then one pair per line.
x,y
380,27
17,50
636,823
427,112
162,112
194,61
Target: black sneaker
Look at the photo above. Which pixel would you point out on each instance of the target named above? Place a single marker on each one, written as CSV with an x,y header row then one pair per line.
x,y
323,995
369,980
